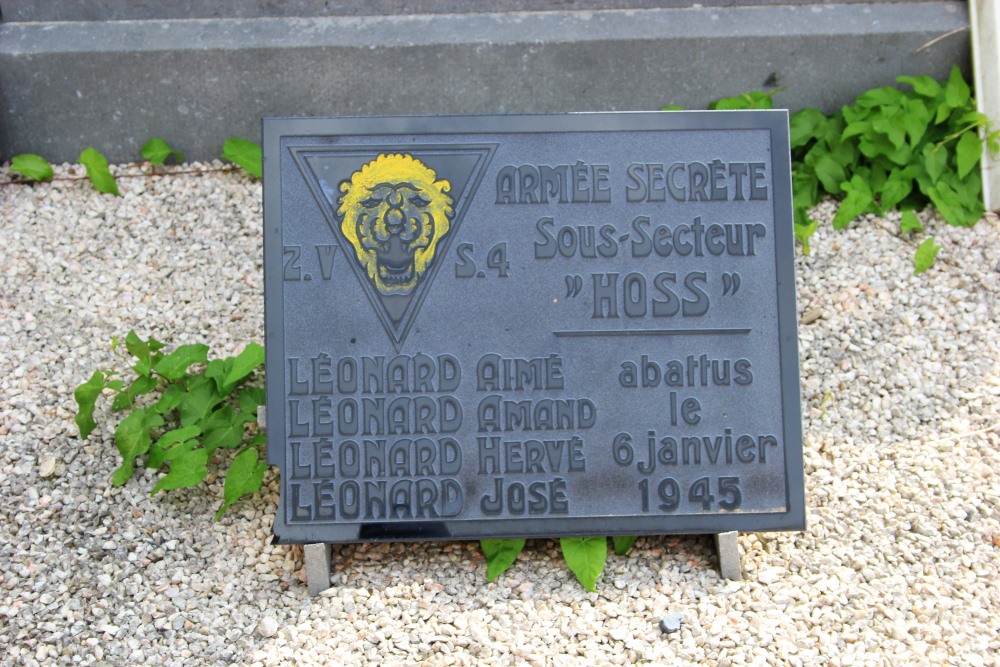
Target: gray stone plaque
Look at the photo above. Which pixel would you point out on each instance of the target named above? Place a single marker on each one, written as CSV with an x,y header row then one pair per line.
x,y
516,326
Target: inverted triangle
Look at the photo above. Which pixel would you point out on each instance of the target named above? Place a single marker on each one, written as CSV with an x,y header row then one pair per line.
x,y
324,169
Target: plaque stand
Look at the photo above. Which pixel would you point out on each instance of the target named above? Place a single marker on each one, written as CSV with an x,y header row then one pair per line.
x,y
729,555
318,557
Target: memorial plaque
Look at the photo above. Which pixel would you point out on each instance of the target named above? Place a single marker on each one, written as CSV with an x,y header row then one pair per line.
x,y
543,325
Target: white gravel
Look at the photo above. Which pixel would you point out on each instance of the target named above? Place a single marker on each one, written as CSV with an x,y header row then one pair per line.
x,y
900,563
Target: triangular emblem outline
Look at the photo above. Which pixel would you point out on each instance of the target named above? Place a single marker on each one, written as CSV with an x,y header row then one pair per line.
x,y
397,332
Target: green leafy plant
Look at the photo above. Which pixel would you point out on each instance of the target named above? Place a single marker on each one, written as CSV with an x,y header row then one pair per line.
x,y
245,153
755,99
585,556
924,257
895,148
32,167
500,555
35,168
623,543
909,222
98,172
891,149
157,151
202,407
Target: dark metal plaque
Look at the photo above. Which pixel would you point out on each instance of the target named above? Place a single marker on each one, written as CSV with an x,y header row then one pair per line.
x,y
501,326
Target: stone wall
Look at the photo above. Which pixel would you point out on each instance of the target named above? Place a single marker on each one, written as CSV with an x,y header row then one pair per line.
x,y
112,74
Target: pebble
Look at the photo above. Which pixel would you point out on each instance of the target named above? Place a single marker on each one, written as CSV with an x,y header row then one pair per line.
x,y
900,398
268,627
769,576
47,467
671,622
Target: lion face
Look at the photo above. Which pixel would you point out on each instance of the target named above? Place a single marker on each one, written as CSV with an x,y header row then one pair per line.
x,y
394,212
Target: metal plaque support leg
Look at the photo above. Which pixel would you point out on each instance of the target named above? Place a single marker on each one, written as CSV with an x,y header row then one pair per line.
x,y
318,558
729,556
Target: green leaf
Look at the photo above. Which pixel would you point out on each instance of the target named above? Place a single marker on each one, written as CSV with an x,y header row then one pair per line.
x,y
956,210
140,386
623,543
175,364
259,439
805,189
188,467
245,153
245,363
86,398
804,230
170,399
916,120
970,116
897,186
672,107
890,125
97,171
968,152
132,438
956,91
935,160
853,114
139,349
943,111
924,257
178,435
970,189
216,369
909,222
830,173
31,166
500,555
157,150
877,145
250,399
199,400
856,128
993,141
224,429
858,200
805,126
924,86
245,477
883,97
844,152
752,100
585,557
158,450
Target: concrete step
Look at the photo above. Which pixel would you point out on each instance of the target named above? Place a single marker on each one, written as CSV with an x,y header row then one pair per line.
x,y
106,76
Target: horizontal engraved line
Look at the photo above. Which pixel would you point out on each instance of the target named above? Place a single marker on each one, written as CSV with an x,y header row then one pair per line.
x,y
651,332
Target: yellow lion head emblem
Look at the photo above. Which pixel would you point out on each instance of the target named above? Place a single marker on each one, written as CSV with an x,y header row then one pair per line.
x,y
394,212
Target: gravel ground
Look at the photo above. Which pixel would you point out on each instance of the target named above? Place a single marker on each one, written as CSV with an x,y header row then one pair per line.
x,y
900,563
